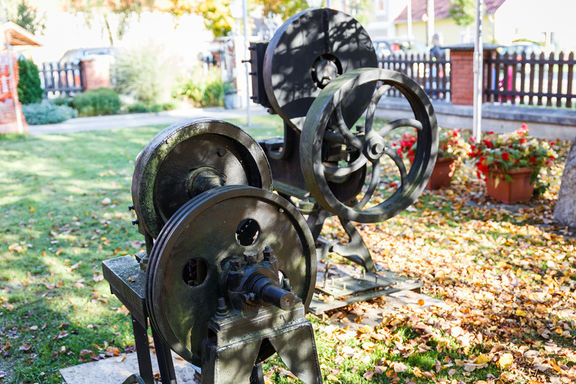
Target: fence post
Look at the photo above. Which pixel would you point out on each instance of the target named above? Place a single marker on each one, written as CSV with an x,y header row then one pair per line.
x,y
462,72
95,74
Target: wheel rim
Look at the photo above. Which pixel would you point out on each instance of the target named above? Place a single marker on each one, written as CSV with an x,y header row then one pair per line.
x,y
322,115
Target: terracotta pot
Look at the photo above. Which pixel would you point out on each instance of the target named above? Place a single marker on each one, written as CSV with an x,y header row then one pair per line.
x,y
442,173
511,192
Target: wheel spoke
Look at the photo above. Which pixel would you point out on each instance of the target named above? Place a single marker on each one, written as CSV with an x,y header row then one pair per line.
x,y
343,129
374,181
399,164
399,124
372,106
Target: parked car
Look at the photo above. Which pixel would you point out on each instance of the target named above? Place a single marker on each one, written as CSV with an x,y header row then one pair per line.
x,y
518,49
74,56
398,46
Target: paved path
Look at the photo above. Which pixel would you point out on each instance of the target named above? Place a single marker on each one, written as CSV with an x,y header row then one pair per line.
x,y
98,123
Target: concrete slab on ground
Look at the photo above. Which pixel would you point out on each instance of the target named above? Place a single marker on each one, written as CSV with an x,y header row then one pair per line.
x,y
98,123
115,370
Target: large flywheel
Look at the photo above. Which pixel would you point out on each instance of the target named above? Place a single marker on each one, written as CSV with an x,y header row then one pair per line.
x,y
186,159
225,231
365,146
308,51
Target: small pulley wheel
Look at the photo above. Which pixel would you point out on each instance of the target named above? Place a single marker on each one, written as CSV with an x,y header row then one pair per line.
x,y
324,124
189,258
186,159
311,49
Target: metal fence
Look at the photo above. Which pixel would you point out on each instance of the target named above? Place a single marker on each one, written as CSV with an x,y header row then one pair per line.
x,y
432,72
531,80
61,78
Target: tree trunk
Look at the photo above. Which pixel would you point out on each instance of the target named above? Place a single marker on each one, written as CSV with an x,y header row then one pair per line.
x,y
565,211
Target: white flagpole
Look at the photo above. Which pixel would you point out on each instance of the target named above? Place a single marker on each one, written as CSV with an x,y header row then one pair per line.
x,y
478,64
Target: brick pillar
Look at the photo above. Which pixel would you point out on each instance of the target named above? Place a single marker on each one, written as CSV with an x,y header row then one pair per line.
x,y
95,73
462,72
9,104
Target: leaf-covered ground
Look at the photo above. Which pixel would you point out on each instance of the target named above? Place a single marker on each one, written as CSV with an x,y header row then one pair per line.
x,y
505,275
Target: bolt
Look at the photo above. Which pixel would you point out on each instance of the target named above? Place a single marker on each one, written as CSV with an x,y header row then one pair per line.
x,y
267,253
251,256
135,222
221,151
131,208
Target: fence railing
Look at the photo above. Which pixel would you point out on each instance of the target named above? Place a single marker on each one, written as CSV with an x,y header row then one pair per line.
x,y
432,72
531,80
61,78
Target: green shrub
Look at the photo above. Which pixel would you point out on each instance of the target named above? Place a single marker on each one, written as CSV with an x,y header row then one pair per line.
x,y
29,88
47,112
146,74
203,89
143,108
95,102
63,100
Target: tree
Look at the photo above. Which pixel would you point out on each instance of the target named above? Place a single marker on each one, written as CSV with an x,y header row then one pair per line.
x,y
283,8
26,16
463,11
29,89
107,9
216,14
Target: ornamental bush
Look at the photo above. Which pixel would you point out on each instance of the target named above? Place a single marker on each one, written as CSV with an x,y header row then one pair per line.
x,y
95,102
47,112
29,88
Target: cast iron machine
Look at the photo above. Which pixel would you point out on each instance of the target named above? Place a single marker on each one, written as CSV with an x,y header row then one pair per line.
x,y
320,74
229,268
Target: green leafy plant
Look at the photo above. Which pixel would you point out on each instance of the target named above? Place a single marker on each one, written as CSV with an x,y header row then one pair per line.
x,y
94,102
47,112
204,89
497,154
29,88
451,145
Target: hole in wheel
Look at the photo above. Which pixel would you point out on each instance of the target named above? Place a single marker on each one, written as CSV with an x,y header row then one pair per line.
x,y
248,232
195,272
326,68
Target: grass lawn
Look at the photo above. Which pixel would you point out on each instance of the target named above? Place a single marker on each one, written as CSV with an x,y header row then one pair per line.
x,y
506,274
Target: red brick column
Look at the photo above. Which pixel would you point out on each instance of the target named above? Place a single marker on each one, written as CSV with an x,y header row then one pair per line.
x,y
10,107
95,73
462,72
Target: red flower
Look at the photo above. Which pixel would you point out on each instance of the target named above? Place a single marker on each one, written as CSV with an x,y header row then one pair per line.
x,y
533,159
506,156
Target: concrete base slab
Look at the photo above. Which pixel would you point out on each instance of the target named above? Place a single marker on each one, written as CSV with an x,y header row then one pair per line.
x,y
117,369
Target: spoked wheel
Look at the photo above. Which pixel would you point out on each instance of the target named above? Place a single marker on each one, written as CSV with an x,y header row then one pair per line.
x,y
186,159
188,260
367,146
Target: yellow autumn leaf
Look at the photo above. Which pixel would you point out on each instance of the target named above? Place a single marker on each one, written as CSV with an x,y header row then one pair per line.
x,y
482,359
506,361
32,209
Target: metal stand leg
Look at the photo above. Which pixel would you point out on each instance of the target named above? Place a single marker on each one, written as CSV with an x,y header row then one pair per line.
x,y
257,376
297,349
356,250
164,357
142,351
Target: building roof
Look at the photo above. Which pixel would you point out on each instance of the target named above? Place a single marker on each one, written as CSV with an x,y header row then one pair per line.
x,y
16,35
441,9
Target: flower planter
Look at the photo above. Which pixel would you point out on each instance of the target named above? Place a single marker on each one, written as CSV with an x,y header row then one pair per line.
x,y
442,173
511,192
